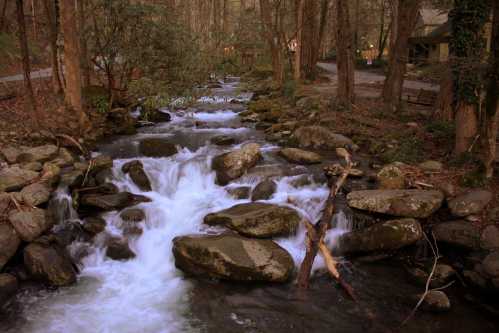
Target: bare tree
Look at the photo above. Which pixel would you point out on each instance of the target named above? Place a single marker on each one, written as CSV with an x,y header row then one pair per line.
x,y
299,33
50,14
344,55
3,14
271,27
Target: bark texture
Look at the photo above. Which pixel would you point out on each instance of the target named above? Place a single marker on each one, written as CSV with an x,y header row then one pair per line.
x,y
344,55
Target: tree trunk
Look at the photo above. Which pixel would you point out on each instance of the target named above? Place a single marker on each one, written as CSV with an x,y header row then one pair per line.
x,y
50,14
85,63
344,55
466,126
72,62
310,36
274,41
392,89
23,41
492,100
322,30
394,4
299,33
4,11
444,110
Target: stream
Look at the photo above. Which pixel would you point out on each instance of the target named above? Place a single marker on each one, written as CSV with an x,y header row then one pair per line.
x,y
148,294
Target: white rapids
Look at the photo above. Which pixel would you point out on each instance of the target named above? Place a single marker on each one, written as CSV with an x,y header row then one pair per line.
x,y
148,294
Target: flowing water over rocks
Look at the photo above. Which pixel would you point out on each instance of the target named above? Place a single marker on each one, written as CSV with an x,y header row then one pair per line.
x,y
148,294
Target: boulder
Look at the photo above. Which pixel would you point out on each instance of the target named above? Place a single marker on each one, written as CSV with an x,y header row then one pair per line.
x,y
223,140
135,170
232,257
157,147
157,116
299,156
8,287
99,163
264,190
435,301
35,194
470,203
241,192
10,154
491,265
72,178
404,203
442,275
49,264
431,166
257,219
109,202
489,237
121,121
321,137
118,249
94,225
64,159
38,154
458,233
15,178
9,242
51,174
133,215
389,235
103,176
391,178
32,166
230,166
30,224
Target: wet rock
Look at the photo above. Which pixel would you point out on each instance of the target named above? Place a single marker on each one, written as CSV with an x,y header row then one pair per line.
x,y
49,264
301,181
30,224
64,159
51,174
35,194
405,203
257,219
99,163
103,176
489,237
264,190
133,215
321,137
275,170
8,287
15,178
470,203
442,275
112,201
230,166
38,154
9,242
135,170
32,166
436,301
231,257
475,279
448,189
241,192
337,170
491,265
390,235
157,147
391,178
223,140
72,178
431,166
299,156
118,249
459,233
94,225
155,116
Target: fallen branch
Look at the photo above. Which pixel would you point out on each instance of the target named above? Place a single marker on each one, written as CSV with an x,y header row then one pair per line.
x,y
75,143
317,233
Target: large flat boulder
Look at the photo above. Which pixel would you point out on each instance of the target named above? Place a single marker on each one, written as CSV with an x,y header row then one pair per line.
x,y
30,224
38,154
458,233
257,219
49,264
157,147
232,165
389,235
231,257
8,287
470,203
35,194
321,137
15,178
300,156
404,203
109,202
9,242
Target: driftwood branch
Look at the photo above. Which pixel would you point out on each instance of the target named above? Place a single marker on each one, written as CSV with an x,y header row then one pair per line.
x,y
316,234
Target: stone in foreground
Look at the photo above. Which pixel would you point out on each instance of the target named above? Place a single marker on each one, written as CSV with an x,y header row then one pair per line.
x,y
470,203
321,137
49,264
299,156
14,178
404,203
232,165
257,219
231,257
458,233
8,287
157,147
9,242
390,235
30,224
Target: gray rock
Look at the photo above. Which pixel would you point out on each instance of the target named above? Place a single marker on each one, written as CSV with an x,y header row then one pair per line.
x,y
49,264
321,137
391,177
459,233
38,154
436,301
94,225
157,147
103,176
230,166
442,275
30,224
264,190
390,235
99,163
431,166
35,194
73,178
231,257
470,203
405,203
223,140
135,170
15,178
9,242
299,156
491,265
51,174
112,201
8,287
118,249
257,219
133,215
64,159
241,192
32,166
10,154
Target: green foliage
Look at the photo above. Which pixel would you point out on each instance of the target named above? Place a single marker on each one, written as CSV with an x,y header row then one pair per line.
x,y
408,151
289,89
101,104
474,178
442,131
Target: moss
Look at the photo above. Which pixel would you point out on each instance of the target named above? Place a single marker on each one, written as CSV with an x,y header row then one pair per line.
x,y
409,151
